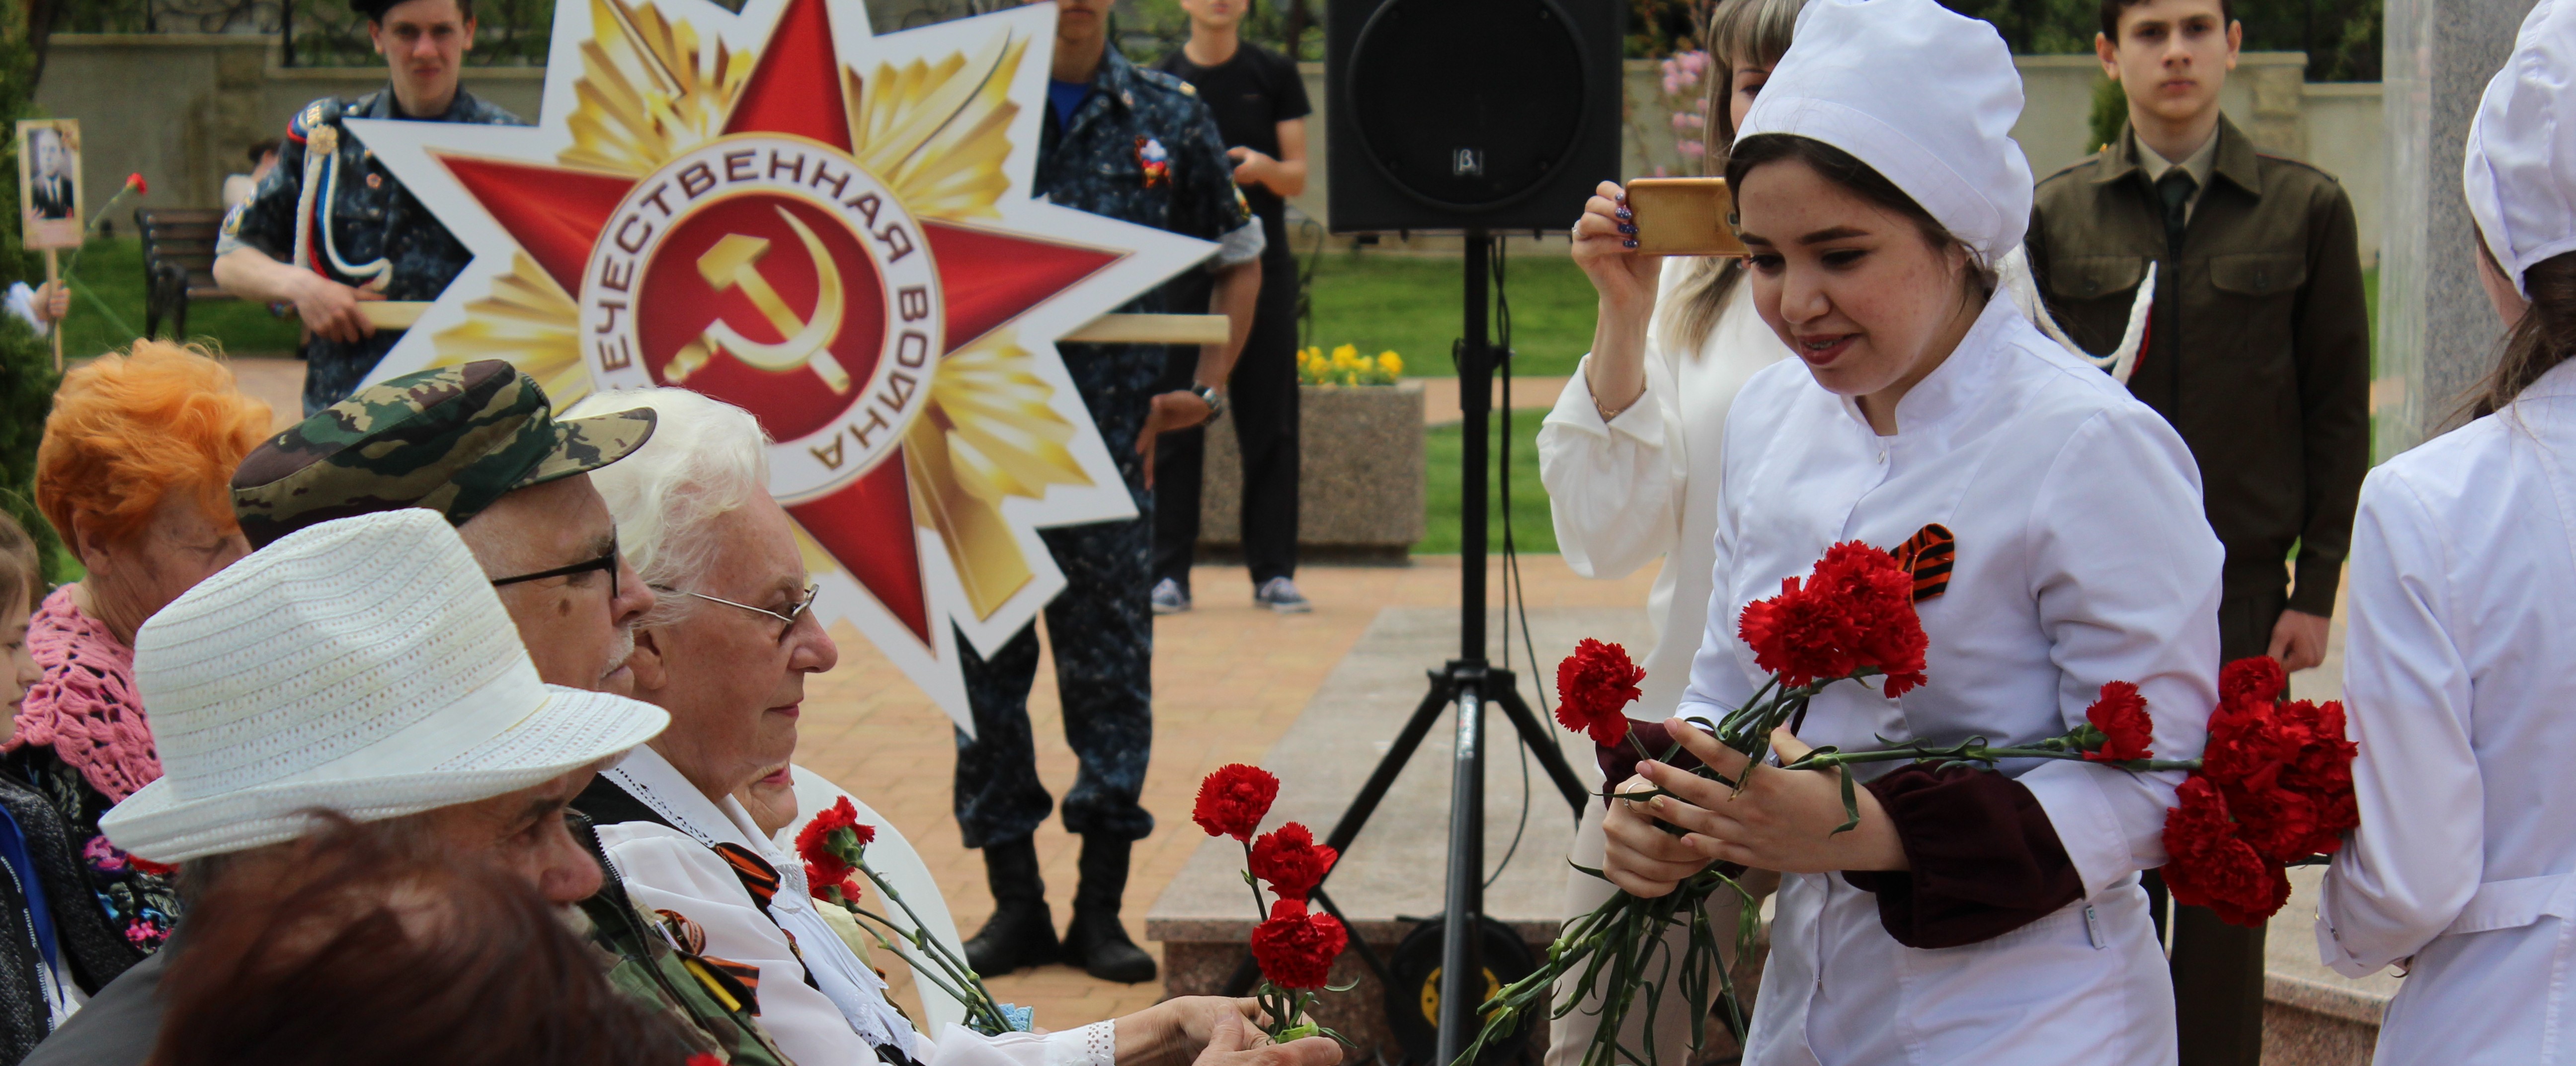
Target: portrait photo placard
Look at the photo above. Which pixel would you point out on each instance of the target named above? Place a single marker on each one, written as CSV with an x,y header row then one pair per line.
x,y
49,182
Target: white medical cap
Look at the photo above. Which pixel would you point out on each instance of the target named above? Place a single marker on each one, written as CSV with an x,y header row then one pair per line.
x,y
1925,96
2521,168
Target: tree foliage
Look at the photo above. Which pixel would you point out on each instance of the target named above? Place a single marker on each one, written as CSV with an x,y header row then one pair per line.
x,y
2341,37
27,375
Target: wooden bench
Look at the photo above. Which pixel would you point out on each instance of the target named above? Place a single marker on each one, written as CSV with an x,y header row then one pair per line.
x,y
178,264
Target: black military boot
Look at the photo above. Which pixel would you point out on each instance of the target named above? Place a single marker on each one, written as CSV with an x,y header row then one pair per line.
x,y
1022,931
1096,941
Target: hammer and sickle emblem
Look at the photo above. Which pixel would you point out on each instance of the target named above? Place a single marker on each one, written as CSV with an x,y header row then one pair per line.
x,y
734,262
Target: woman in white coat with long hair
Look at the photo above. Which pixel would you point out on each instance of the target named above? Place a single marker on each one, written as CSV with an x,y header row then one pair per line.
x,y
2457,676
1630,453
1991,918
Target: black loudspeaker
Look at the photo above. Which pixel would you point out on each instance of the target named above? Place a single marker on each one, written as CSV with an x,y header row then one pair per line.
x,y
1470,114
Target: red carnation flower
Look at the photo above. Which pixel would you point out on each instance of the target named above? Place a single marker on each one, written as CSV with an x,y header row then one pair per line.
x,y
2207,865
136,182
832,884
1296,949
2285,767
2121,716
1291,861
1234,799
831,846
1856,611
1594,687
2252,680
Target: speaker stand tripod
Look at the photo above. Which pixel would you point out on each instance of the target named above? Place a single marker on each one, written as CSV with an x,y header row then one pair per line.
x,y
1470,684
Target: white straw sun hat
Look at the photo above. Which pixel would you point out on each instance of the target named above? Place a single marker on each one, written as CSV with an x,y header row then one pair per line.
x,y
362,666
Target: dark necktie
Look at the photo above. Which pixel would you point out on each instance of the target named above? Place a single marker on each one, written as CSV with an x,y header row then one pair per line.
x,y
2175,188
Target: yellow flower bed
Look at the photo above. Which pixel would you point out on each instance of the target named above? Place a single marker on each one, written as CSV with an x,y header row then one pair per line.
x,y
1346,366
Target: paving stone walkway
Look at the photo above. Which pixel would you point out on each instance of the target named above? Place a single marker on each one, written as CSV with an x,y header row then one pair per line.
x,y
1229,679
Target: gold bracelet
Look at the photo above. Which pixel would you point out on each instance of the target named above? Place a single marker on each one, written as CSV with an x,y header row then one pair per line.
x,y
1609,413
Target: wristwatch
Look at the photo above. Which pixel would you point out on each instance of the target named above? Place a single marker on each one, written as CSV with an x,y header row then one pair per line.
x,y
1209,395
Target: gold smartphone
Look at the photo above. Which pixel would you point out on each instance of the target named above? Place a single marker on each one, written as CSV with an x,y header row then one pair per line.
x,y
1683,216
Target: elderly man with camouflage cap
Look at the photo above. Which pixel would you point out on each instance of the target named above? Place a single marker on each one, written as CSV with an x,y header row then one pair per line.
x,y
363,667
479,444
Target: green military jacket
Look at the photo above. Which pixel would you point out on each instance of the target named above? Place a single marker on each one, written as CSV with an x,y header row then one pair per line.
x,y
718,1012
2258,349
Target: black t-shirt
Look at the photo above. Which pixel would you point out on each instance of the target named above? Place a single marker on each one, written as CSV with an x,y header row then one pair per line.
x,y
1250,93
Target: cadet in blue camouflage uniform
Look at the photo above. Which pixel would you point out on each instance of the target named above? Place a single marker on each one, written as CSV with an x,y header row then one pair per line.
x,y
1138,146
360,231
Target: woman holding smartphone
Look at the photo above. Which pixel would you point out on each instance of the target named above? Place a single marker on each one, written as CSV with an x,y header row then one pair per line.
x,y
1630,453
1971,916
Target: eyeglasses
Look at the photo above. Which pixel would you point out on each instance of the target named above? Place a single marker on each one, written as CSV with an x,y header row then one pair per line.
x,y
610,562
789,616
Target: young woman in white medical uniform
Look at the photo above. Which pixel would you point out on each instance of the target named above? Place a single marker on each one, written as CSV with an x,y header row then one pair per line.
x,y
2460,661
1992,918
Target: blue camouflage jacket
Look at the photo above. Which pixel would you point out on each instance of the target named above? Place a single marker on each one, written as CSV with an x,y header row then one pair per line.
x,y
368,230
1143,148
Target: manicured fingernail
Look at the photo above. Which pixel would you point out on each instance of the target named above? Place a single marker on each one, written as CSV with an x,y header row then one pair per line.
x,y
1629,228
1625,214
1628,243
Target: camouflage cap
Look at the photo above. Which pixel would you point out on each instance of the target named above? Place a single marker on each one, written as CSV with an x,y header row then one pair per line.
x,y
452,440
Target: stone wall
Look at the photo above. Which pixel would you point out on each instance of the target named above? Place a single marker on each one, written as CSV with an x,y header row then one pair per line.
x,y
181,109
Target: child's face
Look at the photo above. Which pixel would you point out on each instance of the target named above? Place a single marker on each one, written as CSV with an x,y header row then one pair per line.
x,y
2172,56
17,667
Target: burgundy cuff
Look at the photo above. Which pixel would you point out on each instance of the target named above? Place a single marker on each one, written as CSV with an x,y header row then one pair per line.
x,y
1985,859
1619,763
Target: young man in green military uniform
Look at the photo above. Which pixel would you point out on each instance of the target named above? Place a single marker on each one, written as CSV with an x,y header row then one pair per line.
x,y
330,228
1138,146
2258,352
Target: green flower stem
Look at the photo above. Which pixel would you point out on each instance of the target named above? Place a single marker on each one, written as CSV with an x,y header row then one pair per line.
x,y
955,978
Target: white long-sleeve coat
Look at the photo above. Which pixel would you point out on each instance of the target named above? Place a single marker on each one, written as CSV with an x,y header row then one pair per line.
x,y
673,869
2082,557
1643,486
2460,687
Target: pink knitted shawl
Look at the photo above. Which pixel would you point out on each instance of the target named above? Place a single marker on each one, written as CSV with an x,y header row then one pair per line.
x,y
85,707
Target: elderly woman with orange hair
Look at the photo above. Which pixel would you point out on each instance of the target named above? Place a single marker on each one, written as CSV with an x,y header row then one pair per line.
x,y
134,472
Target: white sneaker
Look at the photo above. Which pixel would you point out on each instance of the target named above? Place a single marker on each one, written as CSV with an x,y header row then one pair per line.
x,y
1169,598
1280,594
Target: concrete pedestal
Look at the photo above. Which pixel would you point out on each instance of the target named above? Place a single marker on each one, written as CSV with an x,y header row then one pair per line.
x,y
2437,335
1393,876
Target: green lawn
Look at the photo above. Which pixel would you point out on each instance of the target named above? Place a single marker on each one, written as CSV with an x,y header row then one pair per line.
x,y
1413,306
107,309
1532,530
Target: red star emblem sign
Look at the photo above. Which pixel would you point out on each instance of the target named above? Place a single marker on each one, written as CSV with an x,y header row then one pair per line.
x,y
833,231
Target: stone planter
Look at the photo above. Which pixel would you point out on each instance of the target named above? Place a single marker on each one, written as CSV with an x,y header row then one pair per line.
x,y
1360,480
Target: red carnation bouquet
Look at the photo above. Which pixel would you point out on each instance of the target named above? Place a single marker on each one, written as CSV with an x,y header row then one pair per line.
x,y
1294,947
2274,787
834,849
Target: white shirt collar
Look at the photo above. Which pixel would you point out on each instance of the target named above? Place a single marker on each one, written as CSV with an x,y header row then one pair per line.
x,y
1954,387
654,782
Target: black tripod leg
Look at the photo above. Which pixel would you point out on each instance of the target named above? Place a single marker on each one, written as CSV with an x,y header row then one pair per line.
x,y
1541,741
1444,690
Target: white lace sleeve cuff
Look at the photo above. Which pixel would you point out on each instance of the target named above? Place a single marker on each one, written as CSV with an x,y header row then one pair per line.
x,y
1095,1044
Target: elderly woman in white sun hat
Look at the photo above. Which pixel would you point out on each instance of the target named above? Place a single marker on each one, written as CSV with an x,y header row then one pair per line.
x,y
2463,590
363,667
1993,918
726,651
